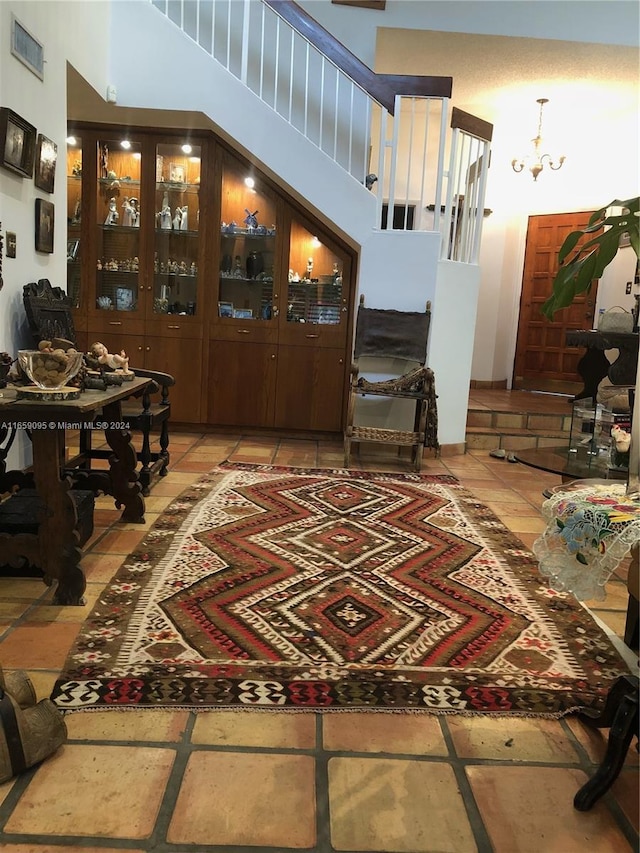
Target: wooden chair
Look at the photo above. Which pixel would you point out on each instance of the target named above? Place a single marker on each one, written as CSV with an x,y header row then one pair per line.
x,y
48,311
381,335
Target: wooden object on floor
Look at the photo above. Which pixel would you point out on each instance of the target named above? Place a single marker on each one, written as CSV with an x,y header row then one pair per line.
x,y
384,334
55,548
48,311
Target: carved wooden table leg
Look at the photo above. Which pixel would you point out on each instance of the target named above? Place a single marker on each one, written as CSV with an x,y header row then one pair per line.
x,y
125,484
58,538
621,714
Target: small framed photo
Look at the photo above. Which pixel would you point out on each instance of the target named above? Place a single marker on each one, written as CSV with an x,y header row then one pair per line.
x,y
225,309
44,225
176,173
243,313
46,155
72,250
17,143
124,299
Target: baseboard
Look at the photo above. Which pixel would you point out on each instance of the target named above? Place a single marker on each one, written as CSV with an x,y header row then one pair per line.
x,y
489,384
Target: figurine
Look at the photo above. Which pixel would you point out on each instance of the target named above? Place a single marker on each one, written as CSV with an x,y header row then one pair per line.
x,y
250,219
135,212
115,361
127,213
184,218
112,215
309,270
165,213
177,219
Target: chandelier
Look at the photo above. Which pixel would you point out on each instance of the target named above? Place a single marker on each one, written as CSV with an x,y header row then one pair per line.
x,y
535,161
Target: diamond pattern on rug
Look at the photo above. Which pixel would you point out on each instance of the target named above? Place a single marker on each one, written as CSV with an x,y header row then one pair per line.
x,y
267,586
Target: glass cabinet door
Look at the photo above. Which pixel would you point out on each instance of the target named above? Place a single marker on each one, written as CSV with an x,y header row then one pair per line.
x,y
177,220
247,247
316,293
74,217
118,225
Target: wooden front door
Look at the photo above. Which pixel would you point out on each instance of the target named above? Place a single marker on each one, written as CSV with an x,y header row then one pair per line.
x,y
543,361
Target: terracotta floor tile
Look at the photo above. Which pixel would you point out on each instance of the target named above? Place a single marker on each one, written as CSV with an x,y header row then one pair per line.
x,y
507,508
21,588
276,809
415,734
614,619
184,477
64,848
168,488
595,741
266,729
153,725
524,524
389,805
192,466
43,681
123,542
617,597
48,612
101,567
38,645
75,775
15,608
626,790
5,787
511,738
530,810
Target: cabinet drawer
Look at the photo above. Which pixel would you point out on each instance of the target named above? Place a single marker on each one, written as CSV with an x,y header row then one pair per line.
x,y
313,334
174,327
115,324
236,330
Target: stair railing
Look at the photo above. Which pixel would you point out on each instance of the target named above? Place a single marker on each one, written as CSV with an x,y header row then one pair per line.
x,y
387,131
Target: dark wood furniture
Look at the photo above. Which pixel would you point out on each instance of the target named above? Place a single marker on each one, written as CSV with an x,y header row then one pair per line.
x,y
594,365
48,311
55,548
400,336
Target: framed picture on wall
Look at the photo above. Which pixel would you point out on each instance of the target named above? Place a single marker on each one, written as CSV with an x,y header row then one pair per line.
x,y
44,225
46,155
17,143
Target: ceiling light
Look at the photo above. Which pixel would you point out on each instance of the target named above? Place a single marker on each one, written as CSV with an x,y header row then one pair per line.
x,y
186,148
125,144
71,140
249,182
535,161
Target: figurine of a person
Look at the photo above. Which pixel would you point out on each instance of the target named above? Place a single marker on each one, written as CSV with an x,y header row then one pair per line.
x,y
112,215
165,213
135,212
127,213
116,361
177,218
309,270
184,219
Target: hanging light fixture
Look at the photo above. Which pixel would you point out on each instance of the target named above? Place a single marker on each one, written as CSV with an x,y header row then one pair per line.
x,y
536,161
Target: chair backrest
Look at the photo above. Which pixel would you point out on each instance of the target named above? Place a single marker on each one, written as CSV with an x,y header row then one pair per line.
x,y
48,311
387,333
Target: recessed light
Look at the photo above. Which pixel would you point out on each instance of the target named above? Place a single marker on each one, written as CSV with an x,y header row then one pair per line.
x,y
186,148
71,140
249,182
125,144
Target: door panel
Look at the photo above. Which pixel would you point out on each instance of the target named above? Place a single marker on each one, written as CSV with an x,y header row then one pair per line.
x,y
310,388
241,383
543,361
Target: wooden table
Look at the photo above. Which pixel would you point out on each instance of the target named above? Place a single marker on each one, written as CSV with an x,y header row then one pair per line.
x,y
55,547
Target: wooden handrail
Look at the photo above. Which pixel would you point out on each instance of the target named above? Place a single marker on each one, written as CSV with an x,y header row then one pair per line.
x,y
383,88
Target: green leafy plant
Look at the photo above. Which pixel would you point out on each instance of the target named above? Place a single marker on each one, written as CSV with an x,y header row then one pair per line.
x,y
581,265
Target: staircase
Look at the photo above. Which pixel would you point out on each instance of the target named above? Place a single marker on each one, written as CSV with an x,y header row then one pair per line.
x,y
515,420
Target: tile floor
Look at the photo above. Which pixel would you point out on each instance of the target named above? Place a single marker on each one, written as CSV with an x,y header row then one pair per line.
x,y
230,781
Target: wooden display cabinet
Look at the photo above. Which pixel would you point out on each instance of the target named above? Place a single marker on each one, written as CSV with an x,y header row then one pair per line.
x,y
182,255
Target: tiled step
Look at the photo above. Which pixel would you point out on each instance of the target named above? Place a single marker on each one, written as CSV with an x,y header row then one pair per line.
x,y
489,430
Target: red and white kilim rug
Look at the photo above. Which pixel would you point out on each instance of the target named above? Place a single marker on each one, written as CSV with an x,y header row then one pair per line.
x,y
271,587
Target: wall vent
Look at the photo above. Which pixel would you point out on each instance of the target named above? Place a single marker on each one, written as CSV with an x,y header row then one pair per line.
x,y
26,48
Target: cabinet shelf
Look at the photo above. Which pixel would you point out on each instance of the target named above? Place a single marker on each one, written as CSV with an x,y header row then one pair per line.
x,y
121,229
245,232
172,232
246,280
122,182
166,186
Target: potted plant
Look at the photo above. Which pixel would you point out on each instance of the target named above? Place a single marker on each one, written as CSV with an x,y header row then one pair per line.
x,y
580,266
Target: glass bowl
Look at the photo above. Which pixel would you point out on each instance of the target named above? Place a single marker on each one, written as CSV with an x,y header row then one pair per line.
x,y
50,370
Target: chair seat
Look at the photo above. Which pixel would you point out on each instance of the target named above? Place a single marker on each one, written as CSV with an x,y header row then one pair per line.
x,y
386,436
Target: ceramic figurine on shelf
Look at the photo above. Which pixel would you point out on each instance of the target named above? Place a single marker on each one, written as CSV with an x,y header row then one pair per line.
x,y
77,213
165,213
309,270
112,215
250,219
127,213
184,220
116,361
177,219
135,212
238,271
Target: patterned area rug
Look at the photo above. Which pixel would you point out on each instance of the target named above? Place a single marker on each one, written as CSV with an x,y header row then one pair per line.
x,y
271,587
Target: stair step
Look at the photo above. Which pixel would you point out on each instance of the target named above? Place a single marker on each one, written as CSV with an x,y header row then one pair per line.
x,y
491,438
518,420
